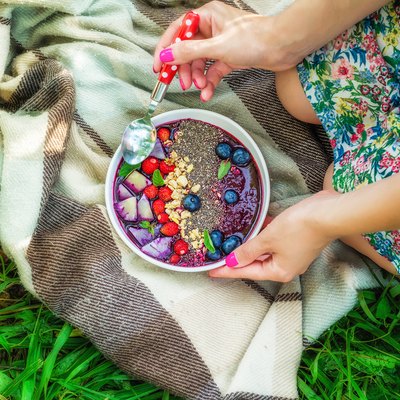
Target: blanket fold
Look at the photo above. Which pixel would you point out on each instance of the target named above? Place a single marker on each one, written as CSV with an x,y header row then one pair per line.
x,y
73,75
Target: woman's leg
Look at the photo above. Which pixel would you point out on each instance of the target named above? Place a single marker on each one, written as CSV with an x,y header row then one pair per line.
x,y
292,97
358,242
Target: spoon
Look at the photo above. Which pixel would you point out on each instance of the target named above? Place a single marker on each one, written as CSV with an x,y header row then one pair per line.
x,y
140,135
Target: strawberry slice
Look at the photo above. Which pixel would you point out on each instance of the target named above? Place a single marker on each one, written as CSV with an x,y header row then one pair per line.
x,y
181,247
166,168
163,134
170,229
163,218
158,206
165,193
174,259
151,192
149,165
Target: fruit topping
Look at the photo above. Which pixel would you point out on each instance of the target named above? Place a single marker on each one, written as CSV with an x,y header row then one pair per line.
x,y
159,248
216,255
136,182
158,206
158,151
230,244
122,192
166,168
144,209
151,192
241,157
163,134
231,197
163,218
127,209
144,236
192,202
174,259
223,151
165,193
170,229
150,164
217,237
181,247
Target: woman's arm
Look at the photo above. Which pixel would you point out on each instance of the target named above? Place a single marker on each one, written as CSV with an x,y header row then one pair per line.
x,y
309,24
297,236
371,208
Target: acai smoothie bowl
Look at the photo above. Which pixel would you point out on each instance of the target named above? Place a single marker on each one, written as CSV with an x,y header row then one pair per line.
x,y
202,192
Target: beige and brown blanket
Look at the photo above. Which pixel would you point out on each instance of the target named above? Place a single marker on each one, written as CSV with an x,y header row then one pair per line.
x,y
72,75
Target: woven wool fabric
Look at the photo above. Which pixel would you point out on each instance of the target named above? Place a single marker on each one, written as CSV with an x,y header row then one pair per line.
x,y
73,75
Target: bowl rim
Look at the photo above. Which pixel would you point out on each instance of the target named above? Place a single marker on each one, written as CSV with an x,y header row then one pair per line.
x,y
204,116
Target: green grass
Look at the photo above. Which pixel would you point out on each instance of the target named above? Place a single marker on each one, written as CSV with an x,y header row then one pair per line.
x,y
41,357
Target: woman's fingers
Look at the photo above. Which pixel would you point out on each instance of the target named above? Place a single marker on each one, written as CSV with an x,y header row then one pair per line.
x,y
266,269
213,77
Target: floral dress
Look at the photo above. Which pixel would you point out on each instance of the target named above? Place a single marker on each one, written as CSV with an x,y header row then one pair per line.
x,y
353,84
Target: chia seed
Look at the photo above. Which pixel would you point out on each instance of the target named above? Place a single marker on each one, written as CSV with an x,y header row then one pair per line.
x,y
194,135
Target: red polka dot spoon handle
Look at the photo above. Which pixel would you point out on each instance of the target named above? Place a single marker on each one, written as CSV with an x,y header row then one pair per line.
x,y
140,135
187,30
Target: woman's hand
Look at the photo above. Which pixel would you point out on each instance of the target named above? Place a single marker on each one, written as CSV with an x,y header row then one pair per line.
x,y
232,37
286,247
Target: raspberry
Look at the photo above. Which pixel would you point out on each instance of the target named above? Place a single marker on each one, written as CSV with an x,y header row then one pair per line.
x,y
158,206
151,192
181,247
166,168
149,165
169,229
163,218
163,134
174,259
165,193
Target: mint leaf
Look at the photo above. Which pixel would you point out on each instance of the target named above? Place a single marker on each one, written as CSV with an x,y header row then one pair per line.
x,y
224,168
157,178
147,225
126,169
208,242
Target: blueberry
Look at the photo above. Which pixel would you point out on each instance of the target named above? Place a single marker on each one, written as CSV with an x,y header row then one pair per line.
x,y
191,202
230,244
217,237
231,197
223,150
214,256
241,157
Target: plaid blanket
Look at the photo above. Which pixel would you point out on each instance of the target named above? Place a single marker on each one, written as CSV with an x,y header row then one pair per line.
x,y
73,74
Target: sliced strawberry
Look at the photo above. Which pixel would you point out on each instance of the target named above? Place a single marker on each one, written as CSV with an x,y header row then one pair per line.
x,y
163,218
166,168
151,192
149,165
170,229
174,259
158,206
165,193
163,134
181,247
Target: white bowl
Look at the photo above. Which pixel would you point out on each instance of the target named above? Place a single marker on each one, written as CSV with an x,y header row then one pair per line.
x,y
222,122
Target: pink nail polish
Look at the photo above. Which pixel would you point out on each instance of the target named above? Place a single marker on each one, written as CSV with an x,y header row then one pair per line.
x,y
182,84
195,83
231,260
154,70
166,55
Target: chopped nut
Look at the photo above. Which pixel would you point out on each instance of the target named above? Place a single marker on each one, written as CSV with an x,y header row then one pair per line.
x,y
177,172
173,183
186,158
176,195
195,188
189,168
186,214
182,181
